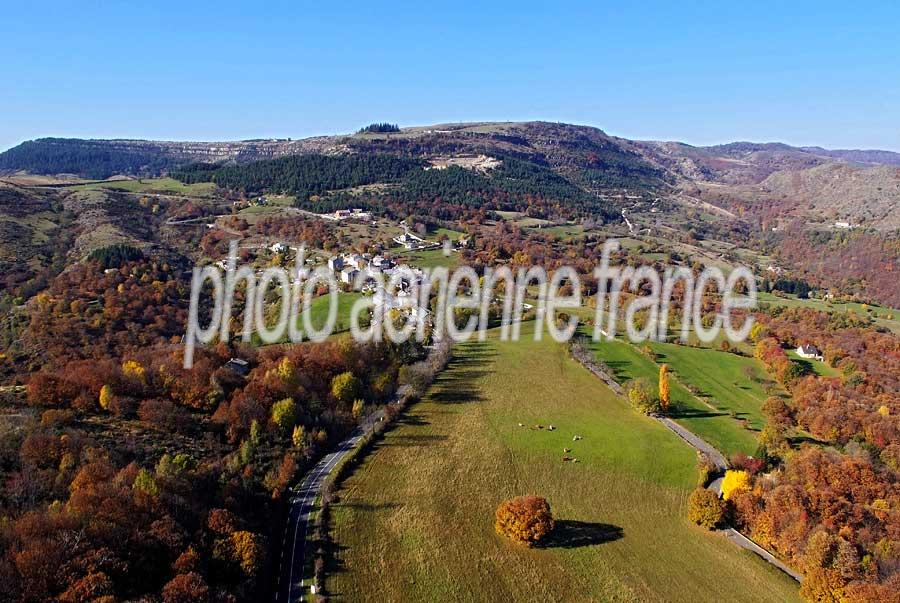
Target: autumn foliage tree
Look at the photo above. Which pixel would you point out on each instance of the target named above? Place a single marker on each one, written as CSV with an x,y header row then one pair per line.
x,y
705,508
524,519
735,481
664,387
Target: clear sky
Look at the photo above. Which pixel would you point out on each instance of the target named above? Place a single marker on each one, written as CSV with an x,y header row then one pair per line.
x,y
825,73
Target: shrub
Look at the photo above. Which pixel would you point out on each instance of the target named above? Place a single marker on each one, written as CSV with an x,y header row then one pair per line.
x,y
747,463
642,397
707,470
163,414
705,508
524,519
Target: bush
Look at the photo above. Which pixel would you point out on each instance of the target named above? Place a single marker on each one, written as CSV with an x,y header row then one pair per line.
x,y
705,508
524,519
707,470
641,396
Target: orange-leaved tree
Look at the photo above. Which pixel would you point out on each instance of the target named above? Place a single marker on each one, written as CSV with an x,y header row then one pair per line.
x,y
524,519
664,387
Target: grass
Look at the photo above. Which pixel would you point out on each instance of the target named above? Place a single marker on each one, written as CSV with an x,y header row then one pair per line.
x,y
816,367
729,382
429,258
414,522
168,186
453,235
565,232
715,426
318,314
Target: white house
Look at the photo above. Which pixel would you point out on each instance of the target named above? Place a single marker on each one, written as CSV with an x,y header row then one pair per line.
x,y
336,263
808,350
278,248
348,275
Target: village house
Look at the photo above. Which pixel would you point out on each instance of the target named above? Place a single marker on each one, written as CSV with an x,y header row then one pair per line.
x,y
808,350
348,275
409,241
238,365
336,263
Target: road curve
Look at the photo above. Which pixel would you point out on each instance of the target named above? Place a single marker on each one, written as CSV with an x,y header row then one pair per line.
x,y
291,580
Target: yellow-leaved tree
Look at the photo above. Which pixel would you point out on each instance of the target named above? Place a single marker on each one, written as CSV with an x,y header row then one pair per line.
x,y
106,397
734,482
664,387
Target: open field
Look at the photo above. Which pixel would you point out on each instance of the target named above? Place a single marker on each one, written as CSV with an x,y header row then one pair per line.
x,y
813,366
715,426
167,186
564,232
318,310
428,258
729,382
414,521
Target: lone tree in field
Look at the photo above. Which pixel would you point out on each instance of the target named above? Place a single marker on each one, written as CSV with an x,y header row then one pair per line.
x,y
524,519
664,387
705,508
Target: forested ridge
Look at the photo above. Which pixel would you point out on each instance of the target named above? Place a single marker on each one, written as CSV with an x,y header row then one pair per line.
x,y
92,159
302,175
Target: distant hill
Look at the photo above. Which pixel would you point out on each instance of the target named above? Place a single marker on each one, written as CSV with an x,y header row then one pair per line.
x,y
769,179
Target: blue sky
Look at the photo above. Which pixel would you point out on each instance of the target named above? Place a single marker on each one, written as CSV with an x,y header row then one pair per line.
x,y
824,73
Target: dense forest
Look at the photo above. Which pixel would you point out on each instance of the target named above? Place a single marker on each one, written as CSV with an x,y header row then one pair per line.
x,y
443,193
302,175
829,502
131,478
84,157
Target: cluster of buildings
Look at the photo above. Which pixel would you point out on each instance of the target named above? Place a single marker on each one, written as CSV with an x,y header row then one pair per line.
x,y
355,213
349,265
377,269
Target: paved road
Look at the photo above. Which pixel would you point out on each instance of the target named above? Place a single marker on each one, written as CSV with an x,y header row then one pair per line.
x,y
745,543
291,582
698,443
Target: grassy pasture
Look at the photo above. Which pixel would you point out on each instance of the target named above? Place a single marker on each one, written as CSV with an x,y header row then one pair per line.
x,y
428,258
713,425
813,366
318,314
167,186
414,522
729,382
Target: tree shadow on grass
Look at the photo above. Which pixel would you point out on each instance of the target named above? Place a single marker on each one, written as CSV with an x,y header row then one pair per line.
x,y
573,534
690,413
